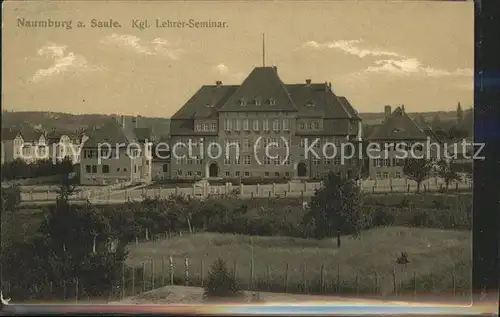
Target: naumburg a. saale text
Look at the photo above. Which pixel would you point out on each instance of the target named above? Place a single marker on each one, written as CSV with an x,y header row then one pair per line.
x,y
45,23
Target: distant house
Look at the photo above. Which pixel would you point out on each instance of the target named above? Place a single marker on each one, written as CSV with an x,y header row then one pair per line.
x,y
161,162
399,129
115,152
12,143
64,144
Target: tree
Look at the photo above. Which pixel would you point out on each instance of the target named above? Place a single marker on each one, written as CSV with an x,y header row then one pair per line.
x,y
335,209
221,283
448,171
417,170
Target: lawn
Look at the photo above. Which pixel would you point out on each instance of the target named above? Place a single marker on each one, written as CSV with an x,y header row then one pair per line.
x,y
440,261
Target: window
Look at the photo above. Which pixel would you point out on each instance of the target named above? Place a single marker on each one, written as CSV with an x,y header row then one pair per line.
x,y
315,125
105,169
309,125
277,174
386,175
266,174
397,174
267,160
179,172
257,102
227,161
228,174
237,160
135,168
277,161
246,160
242,102
379,162
237,125
302,126
227,125
246,144
205,127
276,125
94,169
247,174
246,125
214,126
287,174
387,162
286,124
256,125
237,174
198,173
326,161
88,169
265,125
118,169
190,173
272,102
316,161
379,175
302,142
165,168
198,126
124,169
336,160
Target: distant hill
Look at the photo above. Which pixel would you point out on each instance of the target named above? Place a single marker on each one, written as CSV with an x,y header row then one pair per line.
x,y
49,121
374,118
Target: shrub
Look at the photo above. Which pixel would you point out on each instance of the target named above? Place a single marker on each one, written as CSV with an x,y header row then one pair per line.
x,y
221,283
382,217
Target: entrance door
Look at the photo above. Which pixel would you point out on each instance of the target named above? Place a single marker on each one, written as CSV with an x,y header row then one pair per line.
x,y
301,170
213,170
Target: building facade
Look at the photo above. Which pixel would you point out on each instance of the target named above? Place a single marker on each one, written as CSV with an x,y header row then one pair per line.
x,y
399,134
227,129
28,146
114,153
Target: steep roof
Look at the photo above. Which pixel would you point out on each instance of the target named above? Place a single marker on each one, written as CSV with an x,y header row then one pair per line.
x,y
110,132
263,84
9,134
398,126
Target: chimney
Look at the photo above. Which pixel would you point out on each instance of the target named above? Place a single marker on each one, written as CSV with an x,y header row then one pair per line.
x,y
135,121
330,85
403,108
218,83
123,122
275,69
326,86
387,111
308,82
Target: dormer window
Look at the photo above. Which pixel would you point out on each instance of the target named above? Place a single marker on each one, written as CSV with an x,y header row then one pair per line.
x,y
272,102
209,105
310,104
257,102
242,102
397,130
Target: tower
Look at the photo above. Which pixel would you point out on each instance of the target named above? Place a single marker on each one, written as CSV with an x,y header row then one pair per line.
x,y
460,115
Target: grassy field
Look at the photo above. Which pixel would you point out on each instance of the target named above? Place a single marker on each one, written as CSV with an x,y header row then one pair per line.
x,y
439,260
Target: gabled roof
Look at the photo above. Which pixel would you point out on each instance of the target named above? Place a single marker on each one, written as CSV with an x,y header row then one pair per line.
x,y
31,135
110,132
262,85
9,134
420,121
398,126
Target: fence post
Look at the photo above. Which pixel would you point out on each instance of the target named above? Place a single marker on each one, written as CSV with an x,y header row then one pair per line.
x,y
357,283
186,271
162,271
268,277
322,278
376,282
152,274
123,281
286,277
454,282
171,269
338,277
304,277
201,271
415,284
143,276
76,291
395,290
133,280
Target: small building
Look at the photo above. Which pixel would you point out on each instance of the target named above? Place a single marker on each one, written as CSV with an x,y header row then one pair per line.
x,y
64,144
116,152
400,134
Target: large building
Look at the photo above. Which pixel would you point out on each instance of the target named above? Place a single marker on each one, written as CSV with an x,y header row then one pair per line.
x,y
28,145
254,114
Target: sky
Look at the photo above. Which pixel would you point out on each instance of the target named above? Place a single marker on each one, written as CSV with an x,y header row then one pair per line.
x,y
374,53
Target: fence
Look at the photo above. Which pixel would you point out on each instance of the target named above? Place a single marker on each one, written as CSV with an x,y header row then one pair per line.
x,y
257,275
